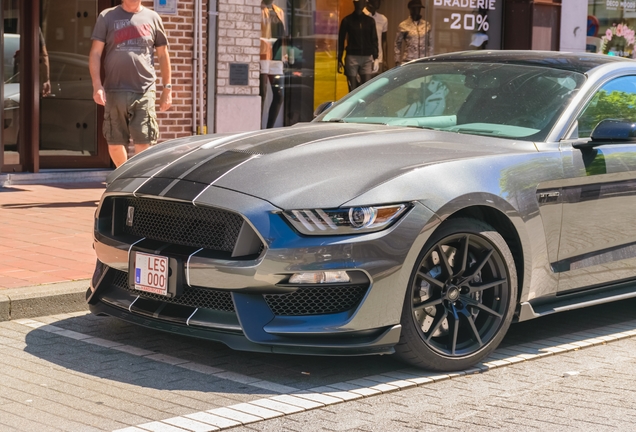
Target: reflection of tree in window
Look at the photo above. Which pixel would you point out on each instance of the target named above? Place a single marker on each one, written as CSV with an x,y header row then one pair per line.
x,y
615,104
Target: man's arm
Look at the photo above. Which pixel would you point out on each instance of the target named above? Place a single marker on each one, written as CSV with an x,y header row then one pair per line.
x,y
165,101
95,66
45,71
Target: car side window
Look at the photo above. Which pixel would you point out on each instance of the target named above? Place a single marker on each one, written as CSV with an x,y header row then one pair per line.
x,y
615,100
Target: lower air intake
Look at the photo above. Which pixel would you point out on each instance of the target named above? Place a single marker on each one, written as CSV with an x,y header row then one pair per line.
x,y
204,298
316,300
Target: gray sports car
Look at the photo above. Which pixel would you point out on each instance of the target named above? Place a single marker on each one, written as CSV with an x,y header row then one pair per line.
x,y
420,215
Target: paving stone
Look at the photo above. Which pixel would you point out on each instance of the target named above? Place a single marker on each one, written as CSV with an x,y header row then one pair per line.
x,y
159,427
278,406
297,401
190,425
238,416
214,420
190,379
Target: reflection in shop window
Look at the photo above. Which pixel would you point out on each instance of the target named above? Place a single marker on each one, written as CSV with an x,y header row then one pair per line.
x,y
11,83
460,25
610,27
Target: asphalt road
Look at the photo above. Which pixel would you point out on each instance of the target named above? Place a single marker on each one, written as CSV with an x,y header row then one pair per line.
x,y
80,372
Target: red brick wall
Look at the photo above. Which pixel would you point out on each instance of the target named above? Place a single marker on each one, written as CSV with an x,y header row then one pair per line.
x,y
177,121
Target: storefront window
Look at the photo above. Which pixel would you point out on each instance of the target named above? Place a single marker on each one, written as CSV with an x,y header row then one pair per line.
x,y
304,43
460,25
610,27
68,114
299,43
11,80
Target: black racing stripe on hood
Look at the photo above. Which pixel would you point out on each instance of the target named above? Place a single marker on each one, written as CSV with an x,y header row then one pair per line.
x,y
154,186
286,140
211,171
253,145
189,163
185,190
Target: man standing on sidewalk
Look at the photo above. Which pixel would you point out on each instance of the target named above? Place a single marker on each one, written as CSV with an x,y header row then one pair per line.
x,y
130,33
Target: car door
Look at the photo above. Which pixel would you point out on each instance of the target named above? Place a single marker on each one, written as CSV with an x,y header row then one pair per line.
x,y
598,238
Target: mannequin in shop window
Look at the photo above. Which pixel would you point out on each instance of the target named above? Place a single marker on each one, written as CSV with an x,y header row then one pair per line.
x,y
382,26
359,32
413,38
273,56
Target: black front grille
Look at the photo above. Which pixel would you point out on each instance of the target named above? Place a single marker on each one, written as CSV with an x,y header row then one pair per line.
x,y
316,300
204,298
181,223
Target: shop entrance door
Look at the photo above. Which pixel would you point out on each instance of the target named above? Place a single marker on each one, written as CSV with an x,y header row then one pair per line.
x,y
10,154
70,133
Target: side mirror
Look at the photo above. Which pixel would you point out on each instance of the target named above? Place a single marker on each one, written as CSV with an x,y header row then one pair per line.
x,y
322,108
614,130
610,131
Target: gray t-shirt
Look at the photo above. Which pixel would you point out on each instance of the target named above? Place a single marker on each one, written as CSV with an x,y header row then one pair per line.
x,y
130,40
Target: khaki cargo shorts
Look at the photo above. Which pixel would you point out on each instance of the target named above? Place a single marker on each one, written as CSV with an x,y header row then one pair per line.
x,y
130,115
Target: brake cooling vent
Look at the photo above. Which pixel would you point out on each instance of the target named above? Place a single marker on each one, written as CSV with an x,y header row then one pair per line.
x,y
316,300
182,223
204,298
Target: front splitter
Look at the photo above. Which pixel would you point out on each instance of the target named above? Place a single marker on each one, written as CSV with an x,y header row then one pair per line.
x,y
383,343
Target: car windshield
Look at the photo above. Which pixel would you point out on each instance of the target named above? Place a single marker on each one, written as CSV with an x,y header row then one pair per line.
x,y
504,100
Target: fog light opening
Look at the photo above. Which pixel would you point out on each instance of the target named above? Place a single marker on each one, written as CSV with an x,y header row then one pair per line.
x,y
320,277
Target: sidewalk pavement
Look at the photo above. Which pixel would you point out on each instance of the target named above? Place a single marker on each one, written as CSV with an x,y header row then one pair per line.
x,y
46,249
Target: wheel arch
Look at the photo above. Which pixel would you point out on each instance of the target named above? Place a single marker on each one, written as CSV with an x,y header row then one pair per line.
x,y
508,223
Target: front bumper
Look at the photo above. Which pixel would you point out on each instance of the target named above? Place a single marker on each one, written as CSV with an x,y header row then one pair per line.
x,y
246,301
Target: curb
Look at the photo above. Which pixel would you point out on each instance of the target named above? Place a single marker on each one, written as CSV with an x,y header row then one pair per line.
x,y
40,300
55,176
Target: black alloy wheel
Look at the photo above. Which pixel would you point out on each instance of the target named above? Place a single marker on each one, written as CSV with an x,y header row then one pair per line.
x,y
461,297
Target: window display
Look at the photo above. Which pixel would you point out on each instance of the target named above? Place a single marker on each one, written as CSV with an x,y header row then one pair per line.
x,y
300,55
272,54
610,27
460,25
413,39
358,31
382,26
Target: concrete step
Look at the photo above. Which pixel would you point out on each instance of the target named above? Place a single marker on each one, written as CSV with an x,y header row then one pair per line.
x,y
50,176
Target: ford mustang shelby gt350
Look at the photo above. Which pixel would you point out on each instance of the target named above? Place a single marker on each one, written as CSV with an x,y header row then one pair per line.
x,y
420,215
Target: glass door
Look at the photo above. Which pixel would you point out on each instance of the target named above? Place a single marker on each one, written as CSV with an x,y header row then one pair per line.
x,y
10,160
329,84
68,114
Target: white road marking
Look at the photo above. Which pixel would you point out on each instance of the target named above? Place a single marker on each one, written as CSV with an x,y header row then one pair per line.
x,y
293,400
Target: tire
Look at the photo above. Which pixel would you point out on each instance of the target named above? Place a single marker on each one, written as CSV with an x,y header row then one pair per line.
x,y
461,297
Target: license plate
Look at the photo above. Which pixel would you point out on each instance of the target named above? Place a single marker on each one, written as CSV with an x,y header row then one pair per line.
x,y
151,273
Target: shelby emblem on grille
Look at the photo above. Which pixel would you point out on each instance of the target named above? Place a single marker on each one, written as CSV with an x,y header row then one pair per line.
x,y
130,215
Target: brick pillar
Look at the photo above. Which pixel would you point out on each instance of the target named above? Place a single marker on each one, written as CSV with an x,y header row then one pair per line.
x,y
238,107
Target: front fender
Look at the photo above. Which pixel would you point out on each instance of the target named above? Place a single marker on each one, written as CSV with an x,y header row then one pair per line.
x,y
505,183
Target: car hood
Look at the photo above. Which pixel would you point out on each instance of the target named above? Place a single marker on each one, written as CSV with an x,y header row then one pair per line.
x,y
317,164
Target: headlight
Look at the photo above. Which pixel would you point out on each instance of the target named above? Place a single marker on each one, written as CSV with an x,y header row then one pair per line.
x,y
353,220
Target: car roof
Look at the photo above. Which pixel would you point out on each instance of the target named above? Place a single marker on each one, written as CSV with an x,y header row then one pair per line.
x,y
574,62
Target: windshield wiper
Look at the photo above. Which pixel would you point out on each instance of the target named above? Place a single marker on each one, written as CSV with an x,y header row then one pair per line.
x,y
419,127
339,120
